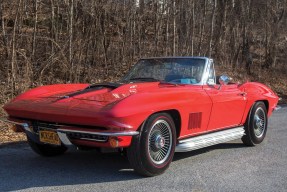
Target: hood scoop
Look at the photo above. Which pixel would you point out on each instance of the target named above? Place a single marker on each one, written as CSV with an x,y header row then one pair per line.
x,y
105,85
94,87
90,88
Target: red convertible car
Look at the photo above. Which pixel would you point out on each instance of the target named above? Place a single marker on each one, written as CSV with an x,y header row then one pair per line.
x,y
162,106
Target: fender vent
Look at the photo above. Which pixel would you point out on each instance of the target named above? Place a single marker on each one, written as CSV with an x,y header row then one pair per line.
x,y
194,120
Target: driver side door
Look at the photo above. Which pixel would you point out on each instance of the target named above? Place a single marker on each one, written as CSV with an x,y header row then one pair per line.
x,y
228,105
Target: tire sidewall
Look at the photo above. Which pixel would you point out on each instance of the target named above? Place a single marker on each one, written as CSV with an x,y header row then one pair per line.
x,y
256,140
144,143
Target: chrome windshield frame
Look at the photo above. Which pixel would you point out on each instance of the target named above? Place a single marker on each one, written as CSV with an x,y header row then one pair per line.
x,y
205,72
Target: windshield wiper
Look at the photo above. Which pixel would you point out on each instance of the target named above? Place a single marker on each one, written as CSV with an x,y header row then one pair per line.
x,y
144,79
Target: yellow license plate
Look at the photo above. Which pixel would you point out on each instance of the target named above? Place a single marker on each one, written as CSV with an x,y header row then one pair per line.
x,y
49,137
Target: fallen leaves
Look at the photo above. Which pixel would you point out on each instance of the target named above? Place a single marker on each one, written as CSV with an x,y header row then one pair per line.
x,y
8,136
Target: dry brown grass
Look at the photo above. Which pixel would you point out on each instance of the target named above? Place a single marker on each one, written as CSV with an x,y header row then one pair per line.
x,y
8,136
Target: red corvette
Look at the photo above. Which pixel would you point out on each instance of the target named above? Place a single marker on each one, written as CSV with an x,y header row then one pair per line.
x,y
162,106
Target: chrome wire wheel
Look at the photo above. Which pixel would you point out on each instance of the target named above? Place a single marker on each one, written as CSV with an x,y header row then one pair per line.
x,y
151,151
256,125
160,142
259,122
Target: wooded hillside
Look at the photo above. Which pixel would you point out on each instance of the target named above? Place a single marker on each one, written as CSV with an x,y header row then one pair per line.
x,y
66,41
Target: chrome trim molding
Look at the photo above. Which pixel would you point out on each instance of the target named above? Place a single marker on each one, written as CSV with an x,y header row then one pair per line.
x,y
63,132
24,125
210,139
109,134
65,140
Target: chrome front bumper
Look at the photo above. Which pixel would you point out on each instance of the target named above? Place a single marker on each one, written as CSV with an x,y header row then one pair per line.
x,y
24,125
64,130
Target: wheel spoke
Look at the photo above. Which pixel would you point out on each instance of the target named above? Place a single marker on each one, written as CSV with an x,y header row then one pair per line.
x,y
160,141
259,122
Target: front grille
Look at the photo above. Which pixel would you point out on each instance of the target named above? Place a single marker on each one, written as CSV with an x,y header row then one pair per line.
x,y
38,125
87,136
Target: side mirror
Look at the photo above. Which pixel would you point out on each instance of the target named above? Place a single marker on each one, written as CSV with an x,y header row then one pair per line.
x,y
224,80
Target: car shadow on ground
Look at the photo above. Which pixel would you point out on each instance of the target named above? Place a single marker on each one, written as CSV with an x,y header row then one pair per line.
x,y
23,169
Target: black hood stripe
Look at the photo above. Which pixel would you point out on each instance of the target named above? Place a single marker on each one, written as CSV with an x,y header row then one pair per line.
x,y
91,88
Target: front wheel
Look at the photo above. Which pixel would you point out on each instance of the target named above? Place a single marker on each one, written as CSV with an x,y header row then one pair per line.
x,y
256,125
151,151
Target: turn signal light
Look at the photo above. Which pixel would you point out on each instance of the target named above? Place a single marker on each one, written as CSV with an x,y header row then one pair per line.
x,y
114,142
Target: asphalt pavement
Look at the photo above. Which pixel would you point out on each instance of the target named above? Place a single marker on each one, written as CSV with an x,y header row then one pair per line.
x,y
225,167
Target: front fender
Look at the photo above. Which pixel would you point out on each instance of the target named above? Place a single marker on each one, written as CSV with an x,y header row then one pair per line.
x,y
259,92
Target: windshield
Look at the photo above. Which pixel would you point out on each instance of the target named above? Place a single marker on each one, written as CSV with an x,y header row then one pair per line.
x,y
172,70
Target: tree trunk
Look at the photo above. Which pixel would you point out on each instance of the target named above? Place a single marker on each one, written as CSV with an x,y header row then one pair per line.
x,y
174,29
35,27
13,55
212,28
71,15
202,28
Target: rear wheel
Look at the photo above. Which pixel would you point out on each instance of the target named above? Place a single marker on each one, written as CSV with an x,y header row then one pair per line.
x,y
256,125
152,151
46,150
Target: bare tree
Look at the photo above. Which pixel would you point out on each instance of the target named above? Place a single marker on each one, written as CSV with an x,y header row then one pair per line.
x,y
56,41
71,15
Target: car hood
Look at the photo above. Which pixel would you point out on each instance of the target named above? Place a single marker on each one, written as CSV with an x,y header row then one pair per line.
x,y
63,103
